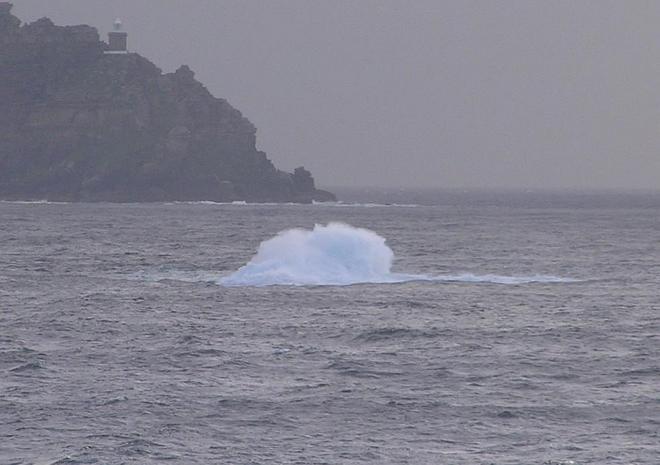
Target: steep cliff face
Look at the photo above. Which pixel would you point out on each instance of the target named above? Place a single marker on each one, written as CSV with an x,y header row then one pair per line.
x,y
79,124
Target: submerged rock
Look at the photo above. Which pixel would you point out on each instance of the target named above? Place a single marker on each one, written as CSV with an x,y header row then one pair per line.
x,y
80,124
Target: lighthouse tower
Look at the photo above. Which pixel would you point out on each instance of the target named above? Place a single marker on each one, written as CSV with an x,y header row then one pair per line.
x,y
117,39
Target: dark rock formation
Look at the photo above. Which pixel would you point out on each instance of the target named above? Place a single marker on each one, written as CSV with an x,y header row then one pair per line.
x,y
79,124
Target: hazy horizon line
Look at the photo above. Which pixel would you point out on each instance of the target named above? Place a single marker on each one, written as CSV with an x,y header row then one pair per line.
x,y
496,189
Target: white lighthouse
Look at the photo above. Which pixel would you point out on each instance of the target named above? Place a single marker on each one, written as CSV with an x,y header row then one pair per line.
x,y
117,39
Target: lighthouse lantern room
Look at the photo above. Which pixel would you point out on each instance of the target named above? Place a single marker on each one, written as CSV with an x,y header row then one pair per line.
x,y
117,39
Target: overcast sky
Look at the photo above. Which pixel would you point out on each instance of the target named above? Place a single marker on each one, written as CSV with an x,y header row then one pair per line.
x,y
428,93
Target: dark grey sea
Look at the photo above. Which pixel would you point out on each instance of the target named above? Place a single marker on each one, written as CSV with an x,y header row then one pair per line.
x,y
513,328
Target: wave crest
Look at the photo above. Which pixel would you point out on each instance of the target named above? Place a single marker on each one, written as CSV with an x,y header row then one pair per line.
x,y
340,254
336,254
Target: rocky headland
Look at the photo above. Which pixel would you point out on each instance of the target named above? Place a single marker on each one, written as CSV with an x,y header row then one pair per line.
x,y
80,124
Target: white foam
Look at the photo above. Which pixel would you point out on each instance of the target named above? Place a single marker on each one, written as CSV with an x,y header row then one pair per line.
x,y
497,279
340,254
335,254
243,203
365,205
35,202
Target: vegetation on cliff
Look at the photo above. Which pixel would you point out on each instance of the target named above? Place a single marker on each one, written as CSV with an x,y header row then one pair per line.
x,y
77,123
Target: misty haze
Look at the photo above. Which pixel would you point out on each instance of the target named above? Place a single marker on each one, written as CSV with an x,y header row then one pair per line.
x,y
427,93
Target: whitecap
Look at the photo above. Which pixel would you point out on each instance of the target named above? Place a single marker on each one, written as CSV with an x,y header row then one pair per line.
x,y
337,255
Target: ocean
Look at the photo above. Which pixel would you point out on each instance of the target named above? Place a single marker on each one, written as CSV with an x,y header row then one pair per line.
x,y
393,328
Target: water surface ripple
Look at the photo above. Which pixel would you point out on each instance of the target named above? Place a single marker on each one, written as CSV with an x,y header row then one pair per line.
x,y
117,345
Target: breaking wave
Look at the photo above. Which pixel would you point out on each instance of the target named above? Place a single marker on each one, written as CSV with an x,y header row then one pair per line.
x,y
339,254
35,202
243,203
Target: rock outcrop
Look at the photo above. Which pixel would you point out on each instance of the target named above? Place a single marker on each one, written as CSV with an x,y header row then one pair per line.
x,y
80,124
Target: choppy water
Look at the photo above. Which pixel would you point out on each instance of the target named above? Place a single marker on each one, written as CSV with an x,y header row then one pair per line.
x,y
118,345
